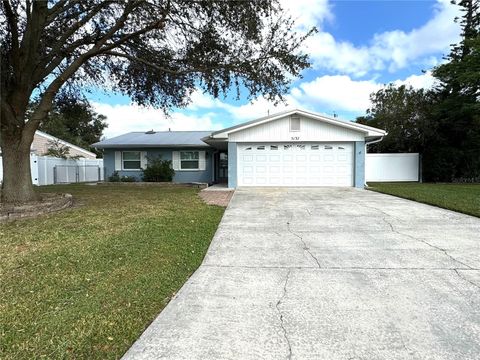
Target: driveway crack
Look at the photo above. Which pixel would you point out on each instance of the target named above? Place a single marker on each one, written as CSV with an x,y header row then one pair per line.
x,y
444,251
465,279
282,324
305,247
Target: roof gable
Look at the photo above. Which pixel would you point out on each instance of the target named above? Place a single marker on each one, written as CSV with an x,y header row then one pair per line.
x,y
64,143
366,130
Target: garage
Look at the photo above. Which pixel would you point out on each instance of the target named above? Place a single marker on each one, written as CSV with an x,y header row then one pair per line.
x,y
296,164
295,148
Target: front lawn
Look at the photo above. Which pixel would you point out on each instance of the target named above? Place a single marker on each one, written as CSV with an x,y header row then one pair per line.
x,y
463,198
84,283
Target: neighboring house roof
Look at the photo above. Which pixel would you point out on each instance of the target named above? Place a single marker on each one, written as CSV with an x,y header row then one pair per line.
x,y
368,130
156,139
42,146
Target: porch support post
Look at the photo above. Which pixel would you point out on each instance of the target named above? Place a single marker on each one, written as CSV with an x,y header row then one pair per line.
x,y
232,165
359,178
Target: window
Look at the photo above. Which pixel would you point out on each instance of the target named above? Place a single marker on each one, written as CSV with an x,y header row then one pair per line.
x,y
341,148
248,148
189,160
315,147
287,147
301,147
328,147
131,160
294,123
261,147
273,147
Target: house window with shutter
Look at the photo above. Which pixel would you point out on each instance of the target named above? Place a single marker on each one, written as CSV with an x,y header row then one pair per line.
x,y
189,160
131,160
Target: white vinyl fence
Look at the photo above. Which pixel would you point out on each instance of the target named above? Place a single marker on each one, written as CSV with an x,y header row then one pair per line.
x,y
392,167
48,170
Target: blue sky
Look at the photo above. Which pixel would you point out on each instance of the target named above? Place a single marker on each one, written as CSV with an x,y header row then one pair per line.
x,y
360,46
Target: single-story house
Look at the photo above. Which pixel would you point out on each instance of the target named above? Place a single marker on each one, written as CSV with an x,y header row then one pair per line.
x,y
291,148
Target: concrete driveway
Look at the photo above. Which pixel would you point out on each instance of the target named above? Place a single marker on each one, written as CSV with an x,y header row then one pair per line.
x,y
327,273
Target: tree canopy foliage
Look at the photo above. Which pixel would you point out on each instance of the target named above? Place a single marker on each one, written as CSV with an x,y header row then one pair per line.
x,y
155,51
73,119
442,123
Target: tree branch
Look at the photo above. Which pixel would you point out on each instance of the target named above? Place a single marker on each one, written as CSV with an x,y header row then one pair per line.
x,y
159,24
57,54
59,8
12,23
146,62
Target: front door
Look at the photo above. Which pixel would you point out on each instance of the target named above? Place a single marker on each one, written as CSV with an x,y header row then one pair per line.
x,y
222,167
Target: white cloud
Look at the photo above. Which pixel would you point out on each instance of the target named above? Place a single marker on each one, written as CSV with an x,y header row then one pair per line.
x,y
339,92
342,93
249,111
390,50
425,81
126,118
343,57
260,107
308,13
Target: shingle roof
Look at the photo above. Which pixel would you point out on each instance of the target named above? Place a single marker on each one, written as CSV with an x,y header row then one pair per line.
x,y
156,139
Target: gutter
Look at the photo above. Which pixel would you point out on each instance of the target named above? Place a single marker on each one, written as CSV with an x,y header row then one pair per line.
x,y
374,141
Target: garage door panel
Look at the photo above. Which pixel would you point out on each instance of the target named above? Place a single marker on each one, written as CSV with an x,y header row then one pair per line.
x,y
248,170
322,164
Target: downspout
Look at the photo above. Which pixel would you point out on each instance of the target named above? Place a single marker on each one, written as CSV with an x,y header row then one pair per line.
x,y
368,143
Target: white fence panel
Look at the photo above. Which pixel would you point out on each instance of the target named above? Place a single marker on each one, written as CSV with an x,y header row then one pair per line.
x,y
48,170
392,167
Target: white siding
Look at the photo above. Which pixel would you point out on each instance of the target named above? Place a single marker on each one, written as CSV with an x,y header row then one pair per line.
x,y
310,130
392,167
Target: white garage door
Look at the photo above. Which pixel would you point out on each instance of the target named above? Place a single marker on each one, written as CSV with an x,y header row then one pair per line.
x,y
299,164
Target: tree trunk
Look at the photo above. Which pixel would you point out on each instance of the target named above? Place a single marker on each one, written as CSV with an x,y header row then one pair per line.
x,y
17,180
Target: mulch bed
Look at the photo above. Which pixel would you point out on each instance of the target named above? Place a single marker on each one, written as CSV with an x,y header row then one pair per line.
x,y
48,203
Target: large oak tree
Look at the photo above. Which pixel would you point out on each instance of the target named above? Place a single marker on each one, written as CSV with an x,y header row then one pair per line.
x,y
155,51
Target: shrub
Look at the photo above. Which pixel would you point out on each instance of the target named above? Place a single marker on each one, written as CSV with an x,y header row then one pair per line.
x,y
115,177
128,179
158,170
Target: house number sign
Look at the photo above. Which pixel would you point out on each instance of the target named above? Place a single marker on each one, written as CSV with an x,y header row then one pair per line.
x,y
295,138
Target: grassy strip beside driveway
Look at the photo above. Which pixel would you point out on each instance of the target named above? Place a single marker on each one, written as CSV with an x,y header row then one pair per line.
x,y
84,283
464,198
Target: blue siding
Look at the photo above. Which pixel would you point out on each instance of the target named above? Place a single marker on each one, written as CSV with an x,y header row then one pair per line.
x,y
232,165
181,176
359,164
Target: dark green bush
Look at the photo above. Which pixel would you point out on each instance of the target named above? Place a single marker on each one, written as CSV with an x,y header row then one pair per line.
x,y
158,170
115,177
128,179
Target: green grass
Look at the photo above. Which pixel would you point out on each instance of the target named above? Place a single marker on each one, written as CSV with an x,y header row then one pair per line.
x,y
84,283
464,198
